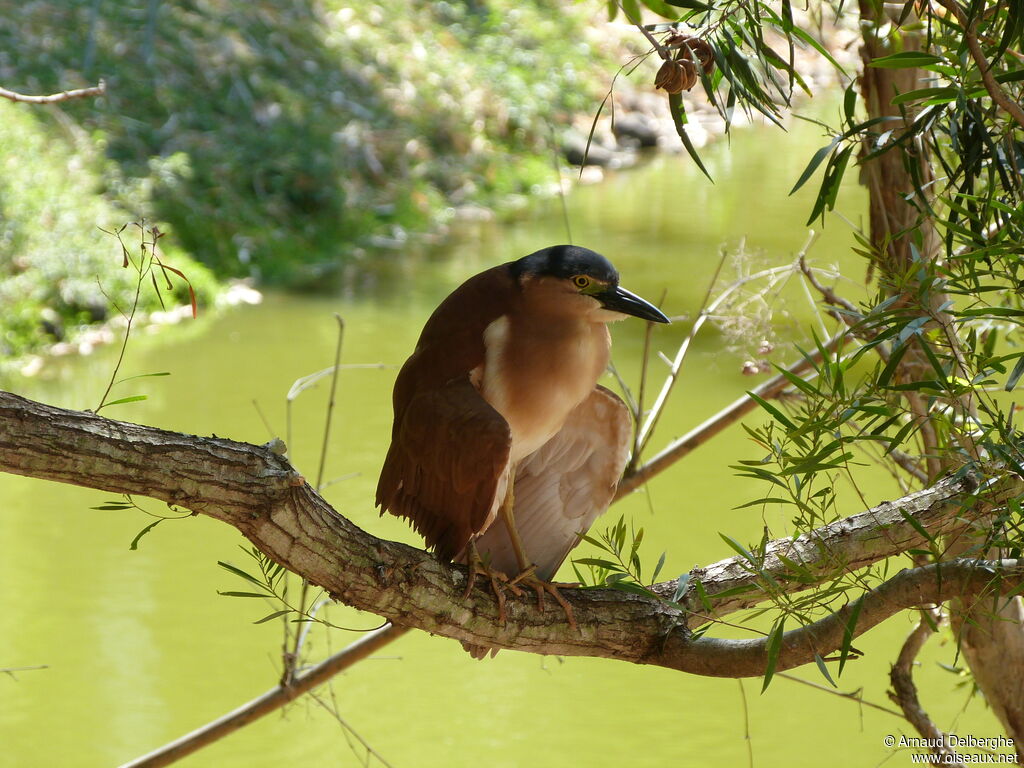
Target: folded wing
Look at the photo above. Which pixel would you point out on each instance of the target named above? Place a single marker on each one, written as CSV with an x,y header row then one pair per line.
x,y
561,488
447,468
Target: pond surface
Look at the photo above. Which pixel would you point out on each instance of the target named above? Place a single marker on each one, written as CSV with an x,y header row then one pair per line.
x,y
139,648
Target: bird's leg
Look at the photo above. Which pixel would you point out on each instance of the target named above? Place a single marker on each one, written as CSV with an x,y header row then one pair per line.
x,y
527,570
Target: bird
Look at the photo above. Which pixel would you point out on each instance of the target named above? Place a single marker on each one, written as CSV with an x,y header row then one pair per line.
x,y
504,447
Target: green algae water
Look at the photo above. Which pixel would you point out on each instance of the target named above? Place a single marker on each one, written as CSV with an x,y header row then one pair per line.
x,y
139,648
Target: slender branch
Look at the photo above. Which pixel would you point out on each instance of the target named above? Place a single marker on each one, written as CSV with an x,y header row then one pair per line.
x,y
53,98
273,699
664,52
904,691
727,416
707,311
856,696
1012,108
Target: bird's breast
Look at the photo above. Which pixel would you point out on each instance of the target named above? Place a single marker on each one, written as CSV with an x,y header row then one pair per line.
x,y
535,374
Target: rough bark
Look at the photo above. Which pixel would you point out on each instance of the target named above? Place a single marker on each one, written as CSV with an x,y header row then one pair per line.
x,y
256,491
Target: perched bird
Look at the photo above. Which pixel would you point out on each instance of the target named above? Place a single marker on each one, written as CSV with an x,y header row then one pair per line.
x,y
498,414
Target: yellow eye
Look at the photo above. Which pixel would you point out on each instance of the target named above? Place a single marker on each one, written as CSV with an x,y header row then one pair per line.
x,y
581,281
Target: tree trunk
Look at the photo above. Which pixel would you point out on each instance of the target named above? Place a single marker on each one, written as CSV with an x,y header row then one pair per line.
x,y
992,636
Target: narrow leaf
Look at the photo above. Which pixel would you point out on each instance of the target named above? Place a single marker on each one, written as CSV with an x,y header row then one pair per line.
x,y
135,542
273,615
824,670
131,399
678,112
774,646
851,625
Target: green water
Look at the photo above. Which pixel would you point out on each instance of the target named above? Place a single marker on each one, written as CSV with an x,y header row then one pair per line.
x,y
140,648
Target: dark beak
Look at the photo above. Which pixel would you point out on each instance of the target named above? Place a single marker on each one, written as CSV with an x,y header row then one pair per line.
x,y
620,300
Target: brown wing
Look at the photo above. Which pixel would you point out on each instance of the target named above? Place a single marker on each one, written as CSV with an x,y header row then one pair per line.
x,y
447,464
449,448
562,487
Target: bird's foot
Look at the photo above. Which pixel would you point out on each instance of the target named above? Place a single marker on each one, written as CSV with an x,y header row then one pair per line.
x,y
530,579
499,582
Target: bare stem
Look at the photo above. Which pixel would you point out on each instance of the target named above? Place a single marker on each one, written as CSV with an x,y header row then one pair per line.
x,y
270,701
53,98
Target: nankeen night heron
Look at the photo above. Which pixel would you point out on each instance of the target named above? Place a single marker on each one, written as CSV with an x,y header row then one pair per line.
x,y
498,416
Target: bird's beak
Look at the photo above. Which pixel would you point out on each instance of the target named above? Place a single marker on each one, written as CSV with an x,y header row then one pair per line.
x,y
620,300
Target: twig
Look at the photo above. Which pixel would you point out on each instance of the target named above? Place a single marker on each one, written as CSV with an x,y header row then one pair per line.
x,y
707,309
270,701
851,695
724,418
904,691
53,98
849,317
1012,108
664,52
11,670
349,731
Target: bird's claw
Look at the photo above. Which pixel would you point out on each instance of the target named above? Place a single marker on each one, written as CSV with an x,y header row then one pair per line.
x,y
499,582
529,578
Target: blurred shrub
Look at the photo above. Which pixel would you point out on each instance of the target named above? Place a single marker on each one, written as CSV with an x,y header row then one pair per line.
x,y
278,137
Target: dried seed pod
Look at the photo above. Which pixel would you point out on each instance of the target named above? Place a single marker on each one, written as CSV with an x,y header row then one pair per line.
x,y
689,47
676,75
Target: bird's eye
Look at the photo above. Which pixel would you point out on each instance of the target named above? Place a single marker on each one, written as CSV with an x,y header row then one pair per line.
x,y
581,281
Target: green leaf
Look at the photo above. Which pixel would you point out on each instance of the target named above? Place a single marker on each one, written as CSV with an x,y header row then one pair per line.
x,y
702,594
273,615
907,59
683,584
812,166
916,525
774,646
890,367
658,567
661,8
135,542
739,548
239,572
599,563
143,376
1015,375
131,399
805,37
848,634
779,415
678,112
694,4
824,670
242,594
927,93
632,587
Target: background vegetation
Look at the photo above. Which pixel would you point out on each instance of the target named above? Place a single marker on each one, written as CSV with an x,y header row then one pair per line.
x,y
271,139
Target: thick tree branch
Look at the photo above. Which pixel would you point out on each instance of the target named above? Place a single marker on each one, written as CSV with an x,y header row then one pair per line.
x,y
845,545
256,491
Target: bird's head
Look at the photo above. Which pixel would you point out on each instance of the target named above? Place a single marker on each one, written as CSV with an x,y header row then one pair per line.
x,y
582,280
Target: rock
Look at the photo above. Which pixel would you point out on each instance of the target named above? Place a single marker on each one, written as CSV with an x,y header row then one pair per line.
x,y
574,147
637,130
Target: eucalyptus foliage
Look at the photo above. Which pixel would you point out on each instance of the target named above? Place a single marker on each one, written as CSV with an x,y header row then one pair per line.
x,y
924,390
